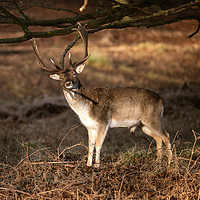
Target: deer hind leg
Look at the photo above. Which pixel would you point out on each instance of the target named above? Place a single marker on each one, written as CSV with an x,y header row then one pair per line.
x,y
157,138
92,135
165,138
159,135
99,142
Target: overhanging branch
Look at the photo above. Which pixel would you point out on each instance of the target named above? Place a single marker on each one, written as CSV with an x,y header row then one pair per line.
x,y
111,18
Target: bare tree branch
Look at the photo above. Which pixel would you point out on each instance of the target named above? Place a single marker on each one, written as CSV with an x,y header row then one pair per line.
x,y
68,48
83,7
195,31
16,20
121,15
20,10
51,8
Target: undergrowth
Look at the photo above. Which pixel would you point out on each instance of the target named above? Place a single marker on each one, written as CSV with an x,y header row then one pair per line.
x,y
42,174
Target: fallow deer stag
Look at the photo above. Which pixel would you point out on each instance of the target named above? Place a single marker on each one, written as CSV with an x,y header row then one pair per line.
x,y
103,108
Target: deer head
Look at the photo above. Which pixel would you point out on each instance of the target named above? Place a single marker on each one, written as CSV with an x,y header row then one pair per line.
x,y
69,75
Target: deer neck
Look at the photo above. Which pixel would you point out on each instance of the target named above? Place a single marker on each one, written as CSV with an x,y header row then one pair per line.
x,y
78,97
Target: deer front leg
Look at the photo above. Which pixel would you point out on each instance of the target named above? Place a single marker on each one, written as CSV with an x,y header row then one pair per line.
x,y
99,142
92,135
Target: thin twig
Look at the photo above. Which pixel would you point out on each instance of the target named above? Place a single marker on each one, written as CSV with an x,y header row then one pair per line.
x,y
199,195
28,156
73,128
18,21
67,148
192,153
122,182
149,147
198,28
51,8
84,194
20,10
66,163
56,189
14,190
176,135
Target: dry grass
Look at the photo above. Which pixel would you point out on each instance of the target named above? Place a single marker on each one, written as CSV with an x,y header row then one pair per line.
x,y
41,174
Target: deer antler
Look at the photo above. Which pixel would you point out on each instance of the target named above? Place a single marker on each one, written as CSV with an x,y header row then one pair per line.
x,y
41,63
84,36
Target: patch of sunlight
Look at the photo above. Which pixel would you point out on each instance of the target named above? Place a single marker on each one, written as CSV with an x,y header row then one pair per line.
x,y
125,67
157,47
152,75
99,60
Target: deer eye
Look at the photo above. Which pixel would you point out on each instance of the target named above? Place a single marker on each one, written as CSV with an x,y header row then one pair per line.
x,y
68,83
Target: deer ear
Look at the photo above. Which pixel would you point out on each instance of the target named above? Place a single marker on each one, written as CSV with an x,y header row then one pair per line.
x,y
55,77
80,68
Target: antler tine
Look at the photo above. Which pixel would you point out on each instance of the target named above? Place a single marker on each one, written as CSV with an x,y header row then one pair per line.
x,y
41,63
70,60
84,36
55,65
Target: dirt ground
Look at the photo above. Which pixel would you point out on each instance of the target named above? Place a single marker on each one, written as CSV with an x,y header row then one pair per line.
x,y
34,113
